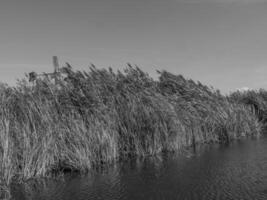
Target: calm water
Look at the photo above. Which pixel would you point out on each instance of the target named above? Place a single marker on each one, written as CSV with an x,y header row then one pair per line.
x,y
237,171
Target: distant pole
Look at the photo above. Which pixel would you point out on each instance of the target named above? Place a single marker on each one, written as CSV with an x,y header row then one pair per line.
x,y
56,68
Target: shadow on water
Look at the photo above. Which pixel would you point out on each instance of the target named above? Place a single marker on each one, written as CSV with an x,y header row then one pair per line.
x,y
235,171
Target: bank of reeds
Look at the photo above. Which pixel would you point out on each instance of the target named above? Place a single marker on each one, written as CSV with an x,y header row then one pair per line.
x,y
256,100
99,116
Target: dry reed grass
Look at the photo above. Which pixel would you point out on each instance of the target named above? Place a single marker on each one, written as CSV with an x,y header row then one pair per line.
x,y
100,116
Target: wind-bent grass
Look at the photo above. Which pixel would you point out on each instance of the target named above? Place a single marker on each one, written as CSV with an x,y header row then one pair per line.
x,y
99,116
256,100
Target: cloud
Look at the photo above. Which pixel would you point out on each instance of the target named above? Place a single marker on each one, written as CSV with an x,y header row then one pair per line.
x,y
243,89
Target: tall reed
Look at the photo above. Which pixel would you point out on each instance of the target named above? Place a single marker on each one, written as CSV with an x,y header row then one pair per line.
x,y
99,116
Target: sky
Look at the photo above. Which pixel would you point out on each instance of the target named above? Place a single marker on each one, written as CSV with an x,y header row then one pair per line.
x,y
222,43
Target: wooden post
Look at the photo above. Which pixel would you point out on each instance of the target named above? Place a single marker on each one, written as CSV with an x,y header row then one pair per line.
x,y
56,68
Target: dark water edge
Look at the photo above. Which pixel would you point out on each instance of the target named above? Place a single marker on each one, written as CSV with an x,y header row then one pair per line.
x,y
234,171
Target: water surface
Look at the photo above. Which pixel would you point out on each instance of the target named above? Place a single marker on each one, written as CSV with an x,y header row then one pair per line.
x,y
236,171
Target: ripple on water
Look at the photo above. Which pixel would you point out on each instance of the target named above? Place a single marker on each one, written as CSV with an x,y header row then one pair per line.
x,y
237,171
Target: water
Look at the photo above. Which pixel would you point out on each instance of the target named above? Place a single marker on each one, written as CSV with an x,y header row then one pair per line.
x,y
236,171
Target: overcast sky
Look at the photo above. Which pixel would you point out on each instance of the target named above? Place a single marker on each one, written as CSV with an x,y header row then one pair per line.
x,y
222,43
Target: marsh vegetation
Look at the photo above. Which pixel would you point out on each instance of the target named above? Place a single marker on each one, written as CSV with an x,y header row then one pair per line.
x,y
95,117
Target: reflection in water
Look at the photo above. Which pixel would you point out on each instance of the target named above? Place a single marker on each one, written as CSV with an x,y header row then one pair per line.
x,y
237,171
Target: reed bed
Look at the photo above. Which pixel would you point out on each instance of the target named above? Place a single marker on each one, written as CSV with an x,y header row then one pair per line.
x,y
256,101
99,116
